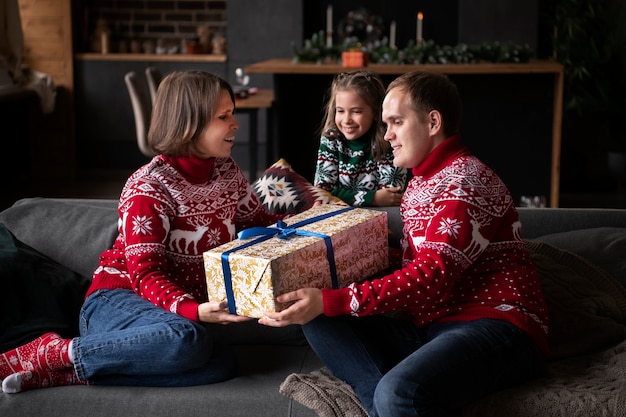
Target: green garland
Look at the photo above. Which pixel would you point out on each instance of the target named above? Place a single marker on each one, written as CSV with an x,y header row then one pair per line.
x,y
315,50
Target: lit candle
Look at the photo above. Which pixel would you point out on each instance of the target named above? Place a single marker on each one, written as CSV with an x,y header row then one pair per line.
x,y
392,35
420,18
329,26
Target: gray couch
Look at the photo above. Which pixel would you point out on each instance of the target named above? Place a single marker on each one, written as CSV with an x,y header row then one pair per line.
x,y
74,232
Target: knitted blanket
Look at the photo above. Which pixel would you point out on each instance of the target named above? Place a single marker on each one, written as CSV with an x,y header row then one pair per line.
x,y
592,385
586,375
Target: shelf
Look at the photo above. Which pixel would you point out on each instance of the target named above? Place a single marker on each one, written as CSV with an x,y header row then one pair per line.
x,y
286,66
152,57
261,100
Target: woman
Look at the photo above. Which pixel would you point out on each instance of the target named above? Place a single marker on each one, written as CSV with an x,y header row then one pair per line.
x,y
142,319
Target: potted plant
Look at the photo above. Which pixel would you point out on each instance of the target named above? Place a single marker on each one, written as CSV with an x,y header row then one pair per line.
x,y
588,38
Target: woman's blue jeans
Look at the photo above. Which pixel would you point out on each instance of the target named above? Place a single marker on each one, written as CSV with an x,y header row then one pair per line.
x,y
126,340
398,369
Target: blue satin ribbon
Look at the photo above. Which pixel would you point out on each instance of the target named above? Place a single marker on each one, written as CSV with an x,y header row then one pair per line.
x,y
282,231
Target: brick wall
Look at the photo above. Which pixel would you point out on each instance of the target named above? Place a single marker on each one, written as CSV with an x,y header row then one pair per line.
x,y
171,21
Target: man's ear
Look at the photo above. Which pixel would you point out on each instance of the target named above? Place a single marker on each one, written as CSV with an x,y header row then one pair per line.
x,y
435,122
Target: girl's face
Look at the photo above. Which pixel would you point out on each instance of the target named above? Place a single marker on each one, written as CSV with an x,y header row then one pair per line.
x,y
353,116
218,136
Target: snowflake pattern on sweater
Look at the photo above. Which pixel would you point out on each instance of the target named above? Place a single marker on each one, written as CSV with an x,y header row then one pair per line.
x,y
171,211
464,257
347,169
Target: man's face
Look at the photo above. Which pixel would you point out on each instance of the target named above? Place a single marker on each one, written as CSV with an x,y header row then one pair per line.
x,y
410,138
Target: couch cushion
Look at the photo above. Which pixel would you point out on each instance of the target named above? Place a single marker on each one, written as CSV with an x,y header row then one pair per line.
x,y
282,190
254,392
604,246
38,294
72,232
586,305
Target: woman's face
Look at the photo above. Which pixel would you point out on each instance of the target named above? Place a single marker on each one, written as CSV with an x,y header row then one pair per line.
x,y
353,116
218,136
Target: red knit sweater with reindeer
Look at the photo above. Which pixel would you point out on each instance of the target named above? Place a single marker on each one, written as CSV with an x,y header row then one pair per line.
x,y
464,257
170,212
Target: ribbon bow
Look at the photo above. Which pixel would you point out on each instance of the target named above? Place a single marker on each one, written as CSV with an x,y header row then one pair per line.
x,y
281,231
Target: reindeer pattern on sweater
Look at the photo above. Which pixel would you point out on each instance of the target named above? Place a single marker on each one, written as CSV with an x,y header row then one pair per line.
x,y
172,210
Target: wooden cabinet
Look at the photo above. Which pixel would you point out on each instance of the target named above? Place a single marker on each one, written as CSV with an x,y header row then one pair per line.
x,y
47,29
47,33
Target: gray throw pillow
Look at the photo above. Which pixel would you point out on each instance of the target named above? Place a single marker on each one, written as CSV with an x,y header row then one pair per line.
x,y
604,246
73,232
39,295
586,305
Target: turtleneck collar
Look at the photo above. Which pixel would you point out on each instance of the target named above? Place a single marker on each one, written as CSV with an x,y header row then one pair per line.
x,y
359,144
364,142
194,169
441,156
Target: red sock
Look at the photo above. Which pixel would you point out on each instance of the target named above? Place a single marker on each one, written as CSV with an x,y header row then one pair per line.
x,y
48,353
27,380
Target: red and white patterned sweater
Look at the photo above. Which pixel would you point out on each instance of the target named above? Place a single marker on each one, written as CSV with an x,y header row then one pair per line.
x,y
464,257
170,212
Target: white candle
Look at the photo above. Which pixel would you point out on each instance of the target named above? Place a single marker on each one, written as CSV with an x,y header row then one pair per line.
x,y
329,26
420,17
392,35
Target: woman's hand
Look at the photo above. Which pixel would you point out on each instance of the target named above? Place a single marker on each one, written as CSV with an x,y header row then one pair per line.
x,y
307,304
212,312
390,196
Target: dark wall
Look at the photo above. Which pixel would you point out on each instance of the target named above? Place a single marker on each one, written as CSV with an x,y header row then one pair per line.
x,y
105,128
446,22
260,30
440,17
514,21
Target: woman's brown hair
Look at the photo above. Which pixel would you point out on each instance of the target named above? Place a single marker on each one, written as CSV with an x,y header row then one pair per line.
x,y
185,102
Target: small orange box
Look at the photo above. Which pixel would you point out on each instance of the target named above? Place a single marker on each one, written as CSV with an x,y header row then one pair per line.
x,y
354,59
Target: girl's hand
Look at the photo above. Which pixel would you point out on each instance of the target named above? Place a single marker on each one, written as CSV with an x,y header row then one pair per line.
x,y
391,196
212,312
307,305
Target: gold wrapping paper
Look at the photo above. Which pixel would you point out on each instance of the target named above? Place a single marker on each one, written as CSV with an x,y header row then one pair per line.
x,y
264,270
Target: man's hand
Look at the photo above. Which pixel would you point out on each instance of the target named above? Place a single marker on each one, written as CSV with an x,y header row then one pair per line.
x,y
307,304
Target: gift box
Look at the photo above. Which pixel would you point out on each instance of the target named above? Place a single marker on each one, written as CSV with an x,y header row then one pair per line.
x,y
354,59
324,247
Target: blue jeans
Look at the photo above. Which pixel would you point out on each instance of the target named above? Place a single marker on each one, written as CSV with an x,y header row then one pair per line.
x,y
398,369
126,340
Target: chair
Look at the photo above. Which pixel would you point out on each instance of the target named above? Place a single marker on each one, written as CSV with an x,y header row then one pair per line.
x,y
142,109
153,76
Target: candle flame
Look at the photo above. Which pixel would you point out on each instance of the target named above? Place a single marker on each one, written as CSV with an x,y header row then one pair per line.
x,y
420,16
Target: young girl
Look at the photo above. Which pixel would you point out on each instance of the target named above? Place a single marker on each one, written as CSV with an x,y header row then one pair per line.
x,y
478,320
142,319
354,162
